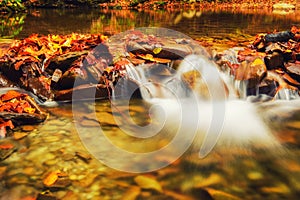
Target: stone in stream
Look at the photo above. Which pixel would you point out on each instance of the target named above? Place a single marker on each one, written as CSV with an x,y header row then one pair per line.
x,y
274,60
294,70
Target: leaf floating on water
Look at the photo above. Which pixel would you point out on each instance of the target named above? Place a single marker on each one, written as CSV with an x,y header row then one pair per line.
x,y
146,182
51,178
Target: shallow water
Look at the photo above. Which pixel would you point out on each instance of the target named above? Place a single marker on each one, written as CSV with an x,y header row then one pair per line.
x,y
226,173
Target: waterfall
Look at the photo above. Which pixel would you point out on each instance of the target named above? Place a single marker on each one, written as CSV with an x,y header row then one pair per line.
x,y
207,109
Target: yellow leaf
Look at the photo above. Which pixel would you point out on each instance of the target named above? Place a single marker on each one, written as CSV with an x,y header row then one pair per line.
x,y
29,110
146,182
257,61
157,50
149,56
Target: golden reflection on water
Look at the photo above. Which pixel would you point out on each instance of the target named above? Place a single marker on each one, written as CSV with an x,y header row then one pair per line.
x,y
195,23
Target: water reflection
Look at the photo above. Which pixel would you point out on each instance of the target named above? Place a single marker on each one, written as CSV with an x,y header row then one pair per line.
x,y
195,23
11,25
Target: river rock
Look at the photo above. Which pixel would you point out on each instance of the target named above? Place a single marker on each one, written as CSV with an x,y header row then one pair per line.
x,y
274,60
254,72
294,70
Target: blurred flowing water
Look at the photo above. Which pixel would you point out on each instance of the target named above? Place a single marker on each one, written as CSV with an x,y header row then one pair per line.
x,y
234,172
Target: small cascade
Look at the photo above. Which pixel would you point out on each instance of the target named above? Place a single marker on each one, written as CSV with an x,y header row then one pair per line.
x,y
252,78
221,119
287,94
155,86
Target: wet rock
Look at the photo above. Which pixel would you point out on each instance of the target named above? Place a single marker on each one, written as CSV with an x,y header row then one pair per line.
x,y
274,60
63,62
254,72
88,91
294,70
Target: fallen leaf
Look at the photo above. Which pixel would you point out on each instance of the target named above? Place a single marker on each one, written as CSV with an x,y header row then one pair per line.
x,y
51,178
146,182
157,50
6,146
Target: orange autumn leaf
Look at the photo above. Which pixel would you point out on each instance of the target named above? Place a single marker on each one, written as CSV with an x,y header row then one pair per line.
x,y
153,59
5,146
161,60
51,178
11,95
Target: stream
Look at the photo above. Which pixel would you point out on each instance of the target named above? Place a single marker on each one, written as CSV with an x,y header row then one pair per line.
x,y
58,145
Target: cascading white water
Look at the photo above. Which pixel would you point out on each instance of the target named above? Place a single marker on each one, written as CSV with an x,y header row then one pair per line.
x,y
230,122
